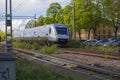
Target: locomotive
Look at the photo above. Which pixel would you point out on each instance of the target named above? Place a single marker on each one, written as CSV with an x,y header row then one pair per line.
x,y
52,33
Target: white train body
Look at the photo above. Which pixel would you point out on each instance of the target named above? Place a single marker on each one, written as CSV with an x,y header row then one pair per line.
x,y
58,33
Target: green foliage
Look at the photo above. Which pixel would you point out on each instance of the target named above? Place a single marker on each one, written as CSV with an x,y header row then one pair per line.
x,y
27,70
53,10
35,46
111,8
30,24
40,21
48,20
75,44
2,35
28,45
106,50
112,12
22,45
68,17
60,16
49,49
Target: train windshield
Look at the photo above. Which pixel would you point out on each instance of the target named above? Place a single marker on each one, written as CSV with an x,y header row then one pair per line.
x,y
61,30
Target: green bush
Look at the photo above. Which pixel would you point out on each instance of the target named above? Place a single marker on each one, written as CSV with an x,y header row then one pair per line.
x,y
20,45
75,44
28,46
49,49
35,46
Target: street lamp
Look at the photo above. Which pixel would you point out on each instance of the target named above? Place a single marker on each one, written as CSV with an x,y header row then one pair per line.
x,y
74,29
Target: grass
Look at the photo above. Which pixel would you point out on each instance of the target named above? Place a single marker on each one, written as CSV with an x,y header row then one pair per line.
x,y
75,44
49,49
28,70
35,46
71,44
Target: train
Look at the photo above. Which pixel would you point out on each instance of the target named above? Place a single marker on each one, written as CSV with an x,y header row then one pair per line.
x,y
52,33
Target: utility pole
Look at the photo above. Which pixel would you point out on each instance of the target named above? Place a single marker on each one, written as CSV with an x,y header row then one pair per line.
x,y
74,21
8,27
7,61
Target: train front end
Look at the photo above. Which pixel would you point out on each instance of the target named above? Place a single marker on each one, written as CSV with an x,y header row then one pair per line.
x,y
62,33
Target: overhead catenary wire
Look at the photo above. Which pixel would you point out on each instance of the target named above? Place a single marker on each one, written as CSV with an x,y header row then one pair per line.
x,y
19,6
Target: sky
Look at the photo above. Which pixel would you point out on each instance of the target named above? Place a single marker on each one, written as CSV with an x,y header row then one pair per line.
x,y
27,8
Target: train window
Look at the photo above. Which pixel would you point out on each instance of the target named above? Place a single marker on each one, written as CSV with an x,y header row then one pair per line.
x,y
49,30
61,30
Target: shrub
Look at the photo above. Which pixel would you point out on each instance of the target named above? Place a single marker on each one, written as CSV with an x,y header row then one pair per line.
x,y
20,45
75,44
35,46
49,49
23,45
28,46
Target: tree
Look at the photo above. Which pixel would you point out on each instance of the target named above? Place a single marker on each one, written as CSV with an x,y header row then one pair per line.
x,y
88,16
112,12
60,16
40,21
84,15
79,9
30,24
67,12
2,35
48,20
53,10
96,16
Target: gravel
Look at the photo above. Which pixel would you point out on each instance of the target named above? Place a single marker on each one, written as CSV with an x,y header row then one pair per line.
x,y
100,62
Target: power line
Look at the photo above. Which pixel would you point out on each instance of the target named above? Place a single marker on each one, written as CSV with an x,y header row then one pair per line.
x,y
17,8
19,17
20,5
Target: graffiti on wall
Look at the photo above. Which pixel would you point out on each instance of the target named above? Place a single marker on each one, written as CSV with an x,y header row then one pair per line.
x,y
4,73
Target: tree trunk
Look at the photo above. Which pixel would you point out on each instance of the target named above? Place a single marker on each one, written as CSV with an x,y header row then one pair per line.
x,y
70,34
116,29
89,33
94,32
79,35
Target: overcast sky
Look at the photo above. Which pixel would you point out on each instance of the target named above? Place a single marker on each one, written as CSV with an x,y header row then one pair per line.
x,y
28,8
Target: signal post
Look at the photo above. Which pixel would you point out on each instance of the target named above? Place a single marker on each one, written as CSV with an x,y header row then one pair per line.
x,y
7,61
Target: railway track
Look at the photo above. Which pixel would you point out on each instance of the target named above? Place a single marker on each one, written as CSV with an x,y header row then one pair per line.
x,y
83,52
72,51
80,70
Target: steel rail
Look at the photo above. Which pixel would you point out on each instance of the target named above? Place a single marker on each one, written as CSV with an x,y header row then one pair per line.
x,y
68,64
90,54
30,56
